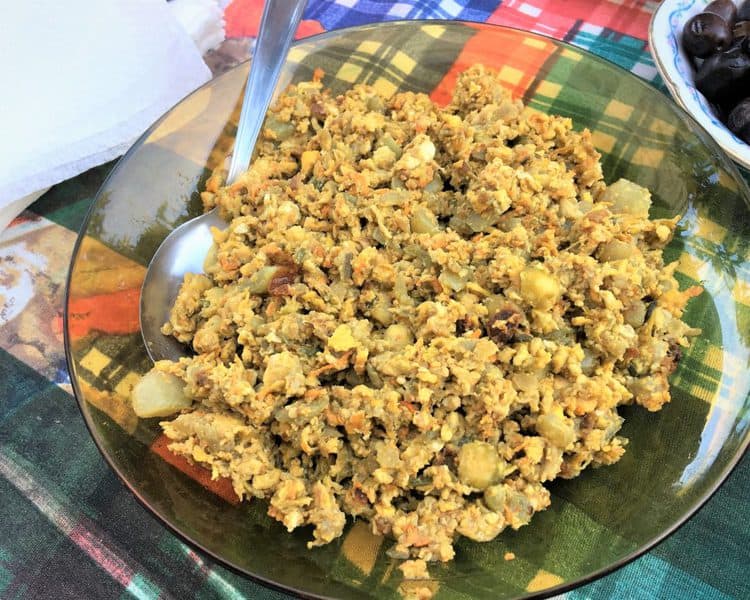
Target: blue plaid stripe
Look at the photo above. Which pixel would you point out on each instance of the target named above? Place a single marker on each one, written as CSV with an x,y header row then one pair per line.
x,y
345,13
624,50
451,9
654,578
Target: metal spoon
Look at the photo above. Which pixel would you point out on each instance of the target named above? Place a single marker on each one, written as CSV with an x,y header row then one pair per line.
x,y
184,249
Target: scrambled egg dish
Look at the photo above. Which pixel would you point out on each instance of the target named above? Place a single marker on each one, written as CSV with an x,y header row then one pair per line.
x,y
417,316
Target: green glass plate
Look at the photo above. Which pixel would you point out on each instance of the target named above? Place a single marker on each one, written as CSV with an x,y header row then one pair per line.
x,y
676,458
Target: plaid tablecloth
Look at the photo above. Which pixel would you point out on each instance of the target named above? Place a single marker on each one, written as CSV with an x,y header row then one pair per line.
x,y
68,526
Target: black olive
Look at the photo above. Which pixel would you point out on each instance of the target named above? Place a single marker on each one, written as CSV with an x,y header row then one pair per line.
x,y
741,30
725,9
705,34
739,120
721,75
721,110
743,12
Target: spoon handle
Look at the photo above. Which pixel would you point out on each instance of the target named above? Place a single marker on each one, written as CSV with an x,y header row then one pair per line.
x,y
277,26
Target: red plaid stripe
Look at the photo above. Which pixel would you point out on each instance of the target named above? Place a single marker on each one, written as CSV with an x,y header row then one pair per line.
x,y
517,70
557,18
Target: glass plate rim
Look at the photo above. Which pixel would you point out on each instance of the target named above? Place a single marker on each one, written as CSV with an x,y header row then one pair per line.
x,y
719,152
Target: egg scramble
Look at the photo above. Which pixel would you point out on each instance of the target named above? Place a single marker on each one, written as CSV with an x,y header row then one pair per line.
x,y
419,315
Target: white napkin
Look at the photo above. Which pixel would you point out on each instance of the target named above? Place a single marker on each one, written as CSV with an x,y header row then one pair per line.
x,y
202,19
81,81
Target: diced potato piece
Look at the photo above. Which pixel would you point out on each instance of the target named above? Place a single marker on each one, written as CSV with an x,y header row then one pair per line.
x,y
557,429
616,250
478,464
627,197
635,314
423,221
260,281
539,288
398,336
159,394
494,497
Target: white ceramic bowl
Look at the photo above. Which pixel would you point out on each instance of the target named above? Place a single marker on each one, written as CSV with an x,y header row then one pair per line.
x,y
664,36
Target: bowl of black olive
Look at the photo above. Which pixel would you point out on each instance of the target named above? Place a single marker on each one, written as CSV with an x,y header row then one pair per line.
x,y
702,52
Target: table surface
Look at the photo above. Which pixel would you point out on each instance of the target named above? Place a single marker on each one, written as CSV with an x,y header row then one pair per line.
x,y
70,528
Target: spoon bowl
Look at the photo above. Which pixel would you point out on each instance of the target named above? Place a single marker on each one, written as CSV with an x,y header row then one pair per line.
x,y
184,249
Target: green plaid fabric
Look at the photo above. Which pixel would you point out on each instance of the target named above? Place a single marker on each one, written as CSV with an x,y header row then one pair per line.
x,y
389,63
81,533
